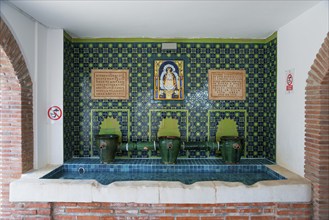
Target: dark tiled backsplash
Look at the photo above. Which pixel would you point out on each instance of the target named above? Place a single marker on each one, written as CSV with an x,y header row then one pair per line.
x,y
198,116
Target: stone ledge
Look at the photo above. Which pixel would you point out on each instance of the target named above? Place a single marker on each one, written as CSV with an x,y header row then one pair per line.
x,y
32,189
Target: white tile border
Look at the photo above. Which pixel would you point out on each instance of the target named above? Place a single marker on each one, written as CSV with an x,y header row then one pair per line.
x,y
29,188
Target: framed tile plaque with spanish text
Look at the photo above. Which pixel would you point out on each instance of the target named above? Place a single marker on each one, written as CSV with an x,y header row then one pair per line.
x,y
109,84
227,84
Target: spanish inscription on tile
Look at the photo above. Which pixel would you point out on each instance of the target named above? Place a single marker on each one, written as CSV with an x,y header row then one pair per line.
x,y
109,84
227,84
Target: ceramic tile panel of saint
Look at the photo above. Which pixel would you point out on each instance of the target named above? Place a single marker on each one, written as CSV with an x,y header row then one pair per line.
x,y
168,80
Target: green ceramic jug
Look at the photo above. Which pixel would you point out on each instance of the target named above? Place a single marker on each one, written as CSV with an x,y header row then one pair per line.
x,y
108,144
169,149
231,149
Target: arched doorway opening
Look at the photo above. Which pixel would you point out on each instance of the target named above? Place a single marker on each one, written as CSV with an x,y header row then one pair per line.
x,y
16,107
317,131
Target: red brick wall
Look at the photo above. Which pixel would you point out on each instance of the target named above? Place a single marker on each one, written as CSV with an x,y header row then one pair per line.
x,y
132,211
16,103
16,121
317,131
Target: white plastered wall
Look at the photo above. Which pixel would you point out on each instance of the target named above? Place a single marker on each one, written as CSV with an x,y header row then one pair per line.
x,y
42,49
298,43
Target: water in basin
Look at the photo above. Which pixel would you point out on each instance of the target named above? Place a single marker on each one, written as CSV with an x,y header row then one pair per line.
x,y
187,171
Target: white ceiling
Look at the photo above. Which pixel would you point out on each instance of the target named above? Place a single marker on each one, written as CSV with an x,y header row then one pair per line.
x,y
165,19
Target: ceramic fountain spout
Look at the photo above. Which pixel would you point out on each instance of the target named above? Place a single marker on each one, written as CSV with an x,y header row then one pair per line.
x,y
169,149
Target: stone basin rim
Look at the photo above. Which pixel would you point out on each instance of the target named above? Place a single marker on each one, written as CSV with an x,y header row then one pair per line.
x,y
29,188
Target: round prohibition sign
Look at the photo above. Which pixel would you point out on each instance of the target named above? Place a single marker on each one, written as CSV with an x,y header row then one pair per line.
x,y
290,79
55,113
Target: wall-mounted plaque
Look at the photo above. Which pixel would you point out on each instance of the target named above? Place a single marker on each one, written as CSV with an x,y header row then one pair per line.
x,y
227,84
109,84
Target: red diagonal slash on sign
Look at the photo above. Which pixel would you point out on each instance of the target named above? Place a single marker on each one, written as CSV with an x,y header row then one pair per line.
x,y
55,113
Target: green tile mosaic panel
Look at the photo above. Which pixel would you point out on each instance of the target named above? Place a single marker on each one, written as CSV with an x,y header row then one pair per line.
x,y
267,123
71,126
258,59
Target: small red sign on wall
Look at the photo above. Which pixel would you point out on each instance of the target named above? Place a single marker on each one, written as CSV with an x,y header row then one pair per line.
x,y
55,113
289,81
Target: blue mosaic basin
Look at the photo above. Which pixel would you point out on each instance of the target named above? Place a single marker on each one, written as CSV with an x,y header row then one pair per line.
x,y
187,171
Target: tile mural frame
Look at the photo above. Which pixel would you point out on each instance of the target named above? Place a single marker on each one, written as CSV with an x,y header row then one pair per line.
x,y
168,110
231,111
108,110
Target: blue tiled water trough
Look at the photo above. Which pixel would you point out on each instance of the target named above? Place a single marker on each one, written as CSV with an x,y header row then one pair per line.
x,y
187,171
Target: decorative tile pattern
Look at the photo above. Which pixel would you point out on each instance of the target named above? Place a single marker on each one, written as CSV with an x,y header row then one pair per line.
x,y
95,161
259,119
268,112
71,126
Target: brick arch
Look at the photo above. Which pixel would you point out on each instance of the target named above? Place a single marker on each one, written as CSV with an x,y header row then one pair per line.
x,y
16,121
317,131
